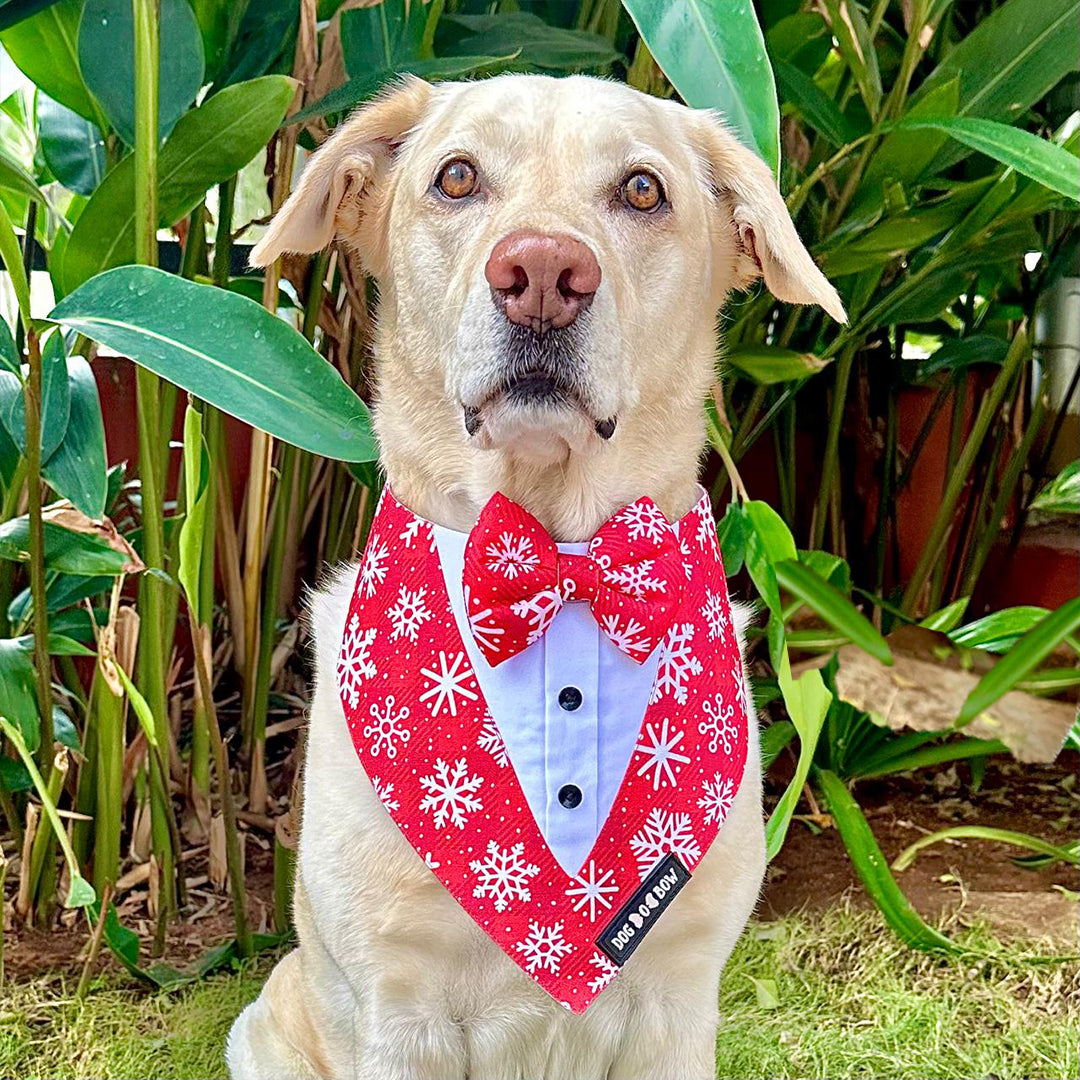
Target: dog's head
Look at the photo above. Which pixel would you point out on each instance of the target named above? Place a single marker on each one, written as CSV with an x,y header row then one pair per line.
x,y
551,255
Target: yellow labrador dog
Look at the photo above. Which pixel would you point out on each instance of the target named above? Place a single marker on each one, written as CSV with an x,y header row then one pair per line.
x,y
490,213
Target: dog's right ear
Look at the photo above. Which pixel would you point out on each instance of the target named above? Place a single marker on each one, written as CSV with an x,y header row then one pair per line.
x,y
342,175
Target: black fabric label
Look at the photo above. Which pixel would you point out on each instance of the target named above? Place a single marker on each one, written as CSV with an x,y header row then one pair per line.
x,y
638,915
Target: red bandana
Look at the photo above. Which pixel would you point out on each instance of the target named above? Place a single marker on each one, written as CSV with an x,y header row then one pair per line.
x,y
426,739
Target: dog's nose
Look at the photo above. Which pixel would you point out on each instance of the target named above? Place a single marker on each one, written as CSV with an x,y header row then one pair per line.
x,y
542,280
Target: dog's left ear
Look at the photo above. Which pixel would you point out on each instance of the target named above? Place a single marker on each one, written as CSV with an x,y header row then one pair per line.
x,y
338,189
768,245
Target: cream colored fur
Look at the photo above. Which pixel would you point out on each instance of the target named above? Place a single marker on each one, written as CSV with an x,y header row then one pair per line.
x,y
391,980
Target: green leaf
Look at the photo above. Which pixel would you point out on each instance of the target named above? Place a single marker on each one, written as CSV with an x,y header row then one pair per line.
x,y
817,108
67,551
982,832
1038,159
960,353
208,145
364,87
72,146
948,617
58,645
713,53
999,631
80,894
265,41
55,394
107,61
45,49
853,38
770,364
773,740
18,690
192,532
832,605
384,35
9,355
13,11
219,23
534,43
873,870
731,532
1062,494
807,701
766,992
141,707
1011,60
1030,651
78,470
226,350
775,535
14,177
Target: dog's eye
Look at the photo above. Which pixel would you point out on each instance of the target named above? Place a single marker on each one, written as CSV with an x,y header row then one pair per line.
x,y
457,179
643,191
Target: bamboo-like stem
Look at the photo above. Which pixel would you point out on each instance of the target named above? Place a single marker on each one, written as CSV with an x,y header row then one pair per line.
x,y
939,531
44,842
832,445
95,943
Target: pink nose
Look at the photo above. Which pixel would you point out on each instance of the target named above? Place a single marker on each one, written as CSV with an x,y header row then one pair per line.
x,y
542,280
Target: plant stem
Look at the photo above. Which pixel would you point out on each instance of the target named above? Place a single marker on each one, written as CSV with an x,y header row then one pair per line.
x,y
832,445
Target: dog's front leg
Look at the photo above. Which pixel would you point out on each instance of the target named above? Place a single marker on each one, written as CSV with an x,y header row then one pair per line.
x,y
669,1042
408,1040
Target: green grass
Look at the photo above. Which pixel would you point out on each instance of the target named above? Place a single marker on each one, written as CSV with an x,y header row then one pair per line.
x,y
851,1001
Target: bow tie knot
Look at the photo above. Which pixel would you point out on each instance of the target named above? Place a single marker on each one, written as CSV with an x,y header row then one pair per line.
x,y
516,579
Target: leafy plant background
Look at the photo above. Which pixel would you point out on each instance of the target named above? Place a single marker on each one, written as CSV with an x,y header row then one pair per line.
x,y
149,610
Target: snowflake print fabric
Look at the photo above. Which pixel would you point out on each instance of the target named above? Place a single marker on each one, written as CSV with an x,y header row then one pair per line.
x,y
437,761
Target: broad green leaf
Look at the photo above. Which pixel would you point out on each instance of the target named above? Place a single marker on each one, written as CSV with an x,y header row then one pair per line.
x,y
960,353
1038,159
1011,60
770,364
1062,494
364,87
18,690
1030,651
13,11
817,108
45,49
830,567
58,645
192,533
14,777
72,146
55,399
713,53
801,38
731,532
265,41
207,146
107,61
982,832
219,23
140,706
853,38
775,535
9,355
766,992
999,631
384,35
873,870
80,893
947,618
773,740
807,701
67,551
77,470
832,605
15,177
227,350
534,43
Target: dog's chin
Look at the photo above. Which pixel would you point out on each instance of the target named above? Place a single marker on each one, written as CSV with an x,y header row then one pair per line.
x,y
536,420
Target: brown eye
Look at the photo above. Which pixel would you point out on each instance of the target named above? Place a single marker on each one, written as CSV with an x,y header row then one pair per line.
x,y
643,192
457,179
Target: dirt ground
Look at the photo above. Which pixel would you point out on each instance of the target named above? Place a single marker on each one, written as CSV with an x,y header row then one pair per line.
x,y
811,873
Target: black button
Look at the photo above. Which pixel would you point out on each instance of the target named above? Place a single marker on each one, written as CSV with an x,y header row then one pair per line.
x,y
570,699
570,796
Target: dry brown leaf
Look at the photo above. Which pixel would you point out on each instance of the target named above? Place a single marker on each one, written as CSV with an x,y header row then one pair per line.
x,y
67,517
926,687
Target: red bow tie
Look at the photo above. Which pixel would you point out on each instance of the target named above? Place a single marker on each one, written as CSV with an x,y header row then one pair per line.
x,y
516,579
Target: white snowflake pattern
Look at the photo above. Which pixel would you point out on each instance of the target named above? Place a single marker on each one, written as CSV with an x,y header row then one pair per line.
x,y
677,664
720,727
644,519
412,531
409,613
387,728
491,740
354,662
484,631
706,529
544,948
714,615
504,875
451,793
606,970
660,753
372,570
664,832
716,802
688,559
626,638
448,683
512,555
538,611
431,862
593,886
635,579
386,794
